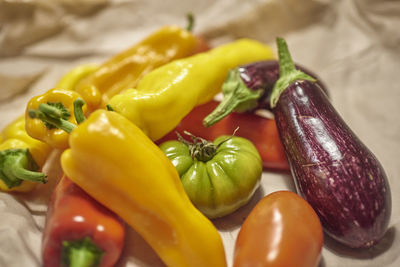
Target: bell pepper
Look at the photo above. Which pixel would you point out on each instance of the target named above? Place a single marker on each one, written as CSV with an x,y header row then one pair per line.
x,y
220,176
79,231
21,157
119,166
125,69
165,95
58,102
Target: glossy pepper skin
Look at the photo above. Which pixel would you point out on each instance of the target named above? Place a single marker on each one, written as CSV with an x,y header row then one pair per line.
x,y
125,69
220,176
282,230
55,137
167,94
118,165
31,153
72,217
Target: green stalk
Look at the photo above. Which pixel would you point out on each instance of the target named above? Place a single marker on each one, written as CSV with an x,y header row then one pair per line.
x,y
55,115
190,19
17,165
81,253
237,97
287,72
200,148
78,112
50,120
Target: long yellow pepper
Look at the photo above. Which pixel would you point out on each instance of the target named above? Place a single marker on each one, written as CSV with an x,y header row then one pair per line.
x,y
125,69
20,157
118,165
165,95
72,78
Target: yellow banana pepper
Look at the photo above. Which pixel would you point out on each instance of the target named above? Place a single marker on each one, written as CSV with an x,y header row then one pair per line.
x,y
59,102
125,69
118,165
165,95
20,157
72,78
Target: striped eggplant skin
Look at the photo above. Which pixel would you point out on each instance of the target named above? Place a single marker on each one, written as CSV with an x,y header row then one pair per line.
x,y
264,74
333,170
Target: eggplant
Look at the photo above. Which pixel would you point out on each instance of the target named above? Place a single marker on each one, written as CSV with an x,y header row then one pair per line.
x,y
258,78
332,169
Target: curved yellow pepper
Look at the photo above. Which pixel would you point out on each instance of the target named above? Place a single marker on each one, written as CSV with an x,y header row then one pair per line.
x,y
165,95
131,176
55,137
72,78
125,69
14,137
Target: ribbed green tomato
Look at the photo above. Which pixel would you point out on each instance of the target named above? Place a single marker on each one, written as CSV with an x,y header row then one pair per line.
x,y
220,176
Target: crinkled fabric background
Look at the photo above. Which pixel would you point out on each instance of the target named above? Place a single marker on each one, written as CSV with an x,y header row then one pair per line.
x,y
353,45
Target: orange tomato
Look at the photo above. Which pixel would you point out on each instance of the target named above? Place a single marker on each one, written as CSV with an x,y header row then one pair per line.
x,y
281,230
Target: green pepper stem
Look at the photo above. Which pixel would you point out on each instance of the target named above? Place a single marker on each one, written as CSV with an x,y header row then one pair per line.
x,y
78,112
190,19
51,111
17,165
287,72
19,171
55,115
58,123
81,253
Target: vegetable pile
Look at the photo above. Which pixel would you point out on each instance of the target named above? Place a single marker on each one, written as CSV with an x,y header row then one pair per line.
x,y
145,145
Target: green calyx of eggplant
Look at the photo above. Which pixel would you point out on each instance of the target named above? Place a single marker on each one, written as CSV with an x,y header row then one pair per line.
x,y
287,72
237,97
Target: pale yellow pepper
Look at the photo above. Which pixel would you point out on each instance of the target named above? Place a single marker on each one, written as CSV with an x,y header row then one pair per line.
x,y
167,94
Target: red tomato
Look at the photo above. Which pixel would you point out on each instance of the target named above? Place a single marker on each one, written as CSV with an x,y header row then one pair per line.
x,y
261,131
281,230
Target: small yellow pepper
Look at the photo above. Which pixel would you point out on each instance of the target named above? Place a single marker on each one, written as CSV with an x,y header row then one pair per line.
x,y
117,164
125,69
20,157
58,101
165,95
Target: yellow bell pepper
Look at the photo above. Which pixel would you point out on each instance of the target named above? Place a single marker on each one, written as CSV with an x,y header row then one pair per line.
x,y
20,157
165,95
117,164
125,69
60,102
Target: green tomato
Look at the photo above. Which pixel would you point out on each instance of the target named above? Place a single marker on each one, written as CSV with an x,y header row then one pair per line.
x,y
218,177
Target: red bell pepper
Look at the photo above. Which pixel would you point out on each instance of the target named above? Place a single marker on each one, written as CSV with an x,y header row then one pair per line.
x,y
261,131
79,231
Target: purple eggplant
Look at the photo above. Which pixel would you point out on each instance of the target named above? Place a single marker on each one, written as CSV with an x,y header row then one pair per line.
x,y
332,169
258,79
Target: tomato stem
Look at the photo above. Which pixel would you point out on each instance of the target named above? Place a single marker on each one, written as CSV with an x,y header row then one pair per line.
x,y
200,148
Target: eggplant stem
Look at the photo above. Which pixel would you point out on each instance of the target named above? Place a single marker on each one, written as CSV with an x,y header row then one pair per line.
x,y
288,72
